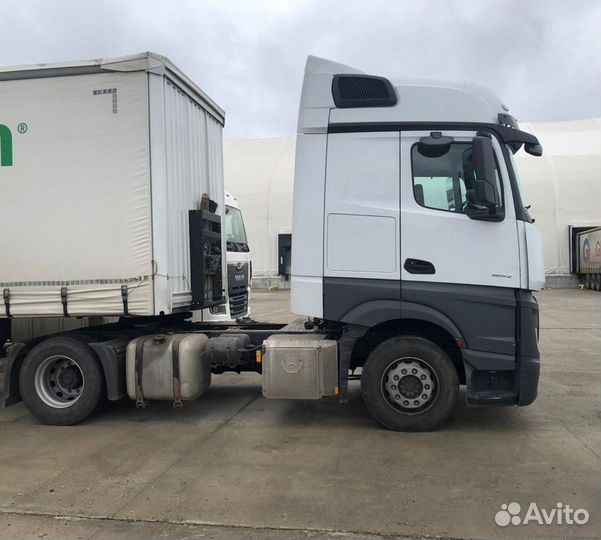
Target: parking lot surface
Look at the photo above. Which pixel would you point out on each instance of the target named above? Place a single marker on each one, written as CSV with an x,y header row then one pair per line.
x,y
233,464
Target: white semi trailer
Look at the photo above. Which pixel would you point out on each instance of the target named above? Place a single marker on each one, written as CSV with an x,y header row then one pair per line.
x,y
588,258
413,259
236,289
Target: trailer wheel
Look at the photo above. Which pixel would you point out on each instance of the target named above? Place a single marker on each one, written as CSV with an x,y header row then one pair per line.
x,y
597,286
587,281
61,381
409,384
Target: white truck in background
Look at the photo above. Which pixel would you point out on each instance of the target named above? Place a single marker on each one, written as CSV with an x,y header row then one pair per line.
x,y
239,268
414,258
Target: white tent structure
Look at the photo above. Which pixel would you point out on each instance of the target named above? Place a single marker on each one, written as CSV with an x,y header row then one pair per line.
x,y
260,174
563,187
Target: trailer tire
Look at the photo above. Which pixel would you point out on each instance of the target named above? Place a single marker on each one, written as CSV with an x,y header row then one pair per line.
x,y
587,281
61,381
409,384
598,282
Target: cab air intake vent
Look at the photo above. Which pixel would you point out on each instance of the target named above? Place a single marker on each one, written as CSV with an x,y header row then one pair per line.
x,y
362,91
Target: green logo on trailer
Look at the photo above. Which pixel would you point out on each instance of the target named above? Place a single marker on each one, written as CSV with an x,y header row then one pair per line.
x,y
6,147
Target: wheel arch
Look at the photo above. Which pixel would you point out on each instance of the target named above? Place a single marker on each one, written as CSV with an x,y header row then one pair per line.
x,y
377,312
386,319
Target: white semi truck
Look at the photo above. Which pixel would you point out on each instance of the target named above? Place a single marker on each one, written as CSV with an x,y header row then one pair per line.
x,y
414,259
239,267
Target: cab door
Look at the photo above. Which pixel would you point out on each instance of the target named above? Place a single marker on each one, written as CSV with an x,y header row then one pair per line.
x,y
463,269
440,243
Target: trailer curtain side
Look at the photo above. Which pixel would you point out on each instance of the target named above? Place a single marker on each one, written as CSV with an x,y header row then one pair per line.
x,y
94,204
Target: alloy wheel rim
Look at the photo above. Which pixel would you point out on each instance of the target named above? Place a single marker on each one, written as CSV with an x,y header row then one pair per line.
x,y
410,385
59,381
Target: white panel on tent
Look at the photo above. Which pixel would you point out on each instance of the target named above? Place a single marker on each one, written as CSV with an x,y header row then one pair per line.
x,y
564,186
260,173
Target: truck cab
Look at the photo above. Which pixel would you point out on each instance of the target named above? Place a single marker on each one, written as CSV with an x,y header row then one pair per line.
x,y
239,267
410,237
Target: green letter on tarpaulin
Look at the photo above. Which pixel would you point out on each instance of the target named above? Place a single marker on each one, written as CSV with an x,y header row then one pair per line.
x,y
6,147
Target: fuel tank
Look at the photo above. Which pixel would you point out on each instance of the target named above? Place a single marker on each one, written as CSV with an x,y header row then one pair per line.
x,y
168,367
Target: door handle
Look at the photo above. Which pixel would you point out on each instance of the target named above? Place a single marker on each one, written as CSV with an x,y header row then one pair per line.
x,y
417,266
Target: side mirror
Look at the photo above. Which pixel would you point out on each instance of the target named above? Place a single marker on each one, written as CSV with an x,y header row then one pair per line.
x,y
485,191
533,149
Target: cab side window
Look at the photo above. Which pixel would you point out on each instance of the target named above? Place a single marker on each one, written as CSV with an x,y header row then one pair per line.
x,y
443,181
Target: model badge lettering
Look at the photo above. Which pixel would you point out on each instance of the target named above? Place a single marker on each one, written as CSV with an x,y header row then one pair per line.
x,y
6,147
506,276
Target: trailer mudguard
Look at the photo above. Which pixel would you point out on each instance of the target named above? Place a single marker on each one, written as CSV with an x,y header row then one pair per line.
x,y
112,358
10,393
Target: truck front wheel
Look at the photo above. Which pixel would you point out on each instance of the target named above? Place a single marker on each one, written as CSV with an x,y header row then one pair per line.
x,y
409,384
61,381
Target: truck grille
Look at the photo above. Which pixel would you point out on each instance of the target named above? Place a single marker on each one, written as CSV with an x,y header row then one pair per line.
x,y
238,304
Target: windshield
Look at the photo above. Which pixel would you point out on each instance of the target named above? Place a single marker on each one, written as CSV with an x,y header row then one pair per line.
x,y
235,234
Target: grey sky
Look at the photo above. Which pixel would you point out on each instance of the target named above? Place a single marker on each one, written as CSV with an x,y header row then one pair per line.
x,y
543,57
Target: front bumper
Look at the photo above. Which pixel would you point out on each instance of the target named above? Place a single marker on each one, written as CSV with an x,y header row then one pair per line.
x,y
496,379
500,379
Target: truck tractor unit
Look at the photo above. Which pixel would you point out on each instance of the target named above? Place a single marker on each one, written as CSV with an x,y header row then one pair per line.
x,y
413,263
239,267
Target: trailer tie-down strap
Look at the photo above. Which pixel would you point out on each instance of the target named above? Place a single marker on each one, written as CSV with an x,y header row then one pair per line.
x,y
124,299
6,295
64,301
138,370
177,383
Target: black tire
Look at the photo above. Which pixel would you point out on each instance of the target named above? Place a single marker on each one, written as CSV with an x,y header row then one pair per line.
x,y
588,281
598,282
39,393
393,354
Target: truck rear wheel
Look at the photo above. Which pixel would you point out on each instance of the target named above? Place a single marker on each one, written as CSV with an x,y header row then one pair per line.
x,y
61,381
409,384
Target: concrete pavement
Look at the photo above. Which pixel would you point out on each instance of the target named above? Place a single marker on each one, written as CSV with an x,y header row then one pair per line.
x,y
233,464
